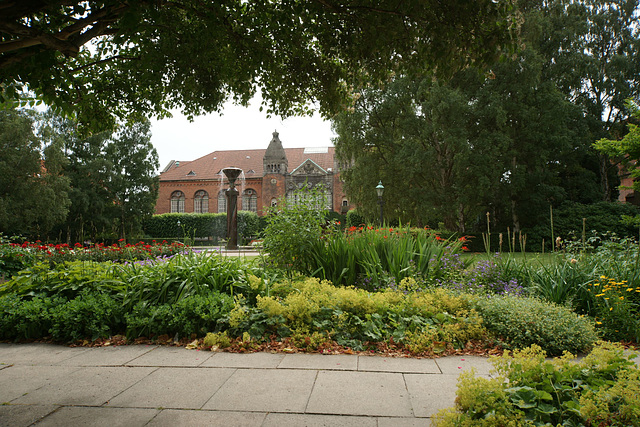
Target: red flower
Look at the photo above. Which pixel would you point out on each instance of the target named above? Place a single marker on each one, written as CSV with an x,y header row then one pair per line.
x,y
464,248
438,238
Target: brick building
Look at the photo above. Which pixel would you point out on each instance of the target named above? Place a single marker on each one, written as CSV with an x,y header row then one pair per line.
x,y
197,186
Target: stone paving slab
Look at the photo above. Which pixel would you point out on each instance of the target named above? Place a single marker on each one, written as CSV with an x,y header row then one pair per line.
x,y
19,380
98,417
319,361
298,420
23,415
37,353
360,393
636,356
397,364
250,360
455,365
108,356
171,356
173,418
180,388
403,422
86,386
430,393
264,390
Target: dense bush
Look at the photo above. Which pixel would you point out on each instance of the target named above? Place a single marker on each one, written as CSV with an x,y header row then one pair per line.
x,y
521,322
26,318
94,315
191,315
90,316
292,228
603,389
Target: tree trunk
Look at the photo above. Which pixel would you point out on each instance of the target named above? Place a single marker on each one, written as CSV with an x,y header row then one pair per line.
x,y
604,177
514,216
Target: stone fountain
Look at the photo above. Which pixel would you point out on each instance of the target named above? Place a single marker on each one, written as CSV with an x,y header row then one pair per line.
x,y
232,207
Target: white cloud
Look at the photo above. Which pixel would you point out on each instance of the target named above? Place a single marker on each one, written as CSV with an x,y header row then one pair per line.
x,y
238,128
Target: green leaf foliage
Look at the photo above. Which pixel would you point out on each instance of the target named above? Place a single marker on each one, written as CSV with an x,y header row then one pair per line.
x,y
293,227
195,314
91,315
150,57
529,390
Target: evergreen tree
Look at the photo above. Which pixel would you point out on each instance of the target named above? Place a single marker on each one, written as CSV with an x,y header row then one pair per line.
x,y
33,192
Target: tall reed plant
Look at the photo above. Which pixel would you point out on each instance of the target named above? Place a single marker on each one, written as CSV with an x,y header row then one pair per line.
x,y
377,254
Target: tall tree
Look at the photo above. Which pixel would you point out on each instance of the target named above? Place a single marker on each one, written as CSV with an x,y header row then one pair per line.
x,y
133,182
149,56
33,193
592,49
537,130
113,179
414,136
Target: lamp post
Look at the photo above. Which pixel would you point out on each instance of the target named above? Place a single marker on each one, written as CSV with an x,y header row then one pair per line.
x,y
380,190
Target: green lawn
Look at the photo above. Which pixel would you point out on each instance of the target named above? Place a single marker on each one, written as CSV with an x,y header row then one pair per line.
x,y
531,257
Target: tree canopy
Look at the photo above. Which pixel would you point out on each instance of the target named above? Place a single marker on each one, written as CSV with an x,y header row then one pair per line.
x,y
108,59
55,182
512,142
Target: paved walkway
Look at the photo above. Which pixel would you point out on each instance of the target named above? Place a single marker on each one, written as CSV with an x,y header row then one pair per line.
x,y
143,385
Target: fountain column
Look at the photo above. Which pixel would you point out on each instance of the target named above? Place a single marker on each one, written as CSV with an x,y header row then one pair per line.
x,y
232,207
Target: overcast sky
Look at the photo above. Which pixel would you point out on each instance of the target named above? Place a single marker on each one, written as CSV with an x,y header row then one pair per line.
x,y
238,128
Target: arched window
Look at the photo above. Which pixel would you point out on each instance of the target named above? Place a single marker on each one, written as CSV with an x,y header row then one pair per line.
x,y
177,202
222,202
201,202
250,200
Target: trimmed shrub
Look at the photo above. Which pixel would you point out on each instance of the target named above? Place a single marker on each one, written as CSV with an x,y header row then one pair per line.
x,y
521,322
602,217
354,219
213,225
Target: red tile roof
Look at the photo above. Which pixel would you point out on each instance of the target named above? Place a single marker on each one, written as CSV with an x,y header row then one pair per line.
x,y
208,167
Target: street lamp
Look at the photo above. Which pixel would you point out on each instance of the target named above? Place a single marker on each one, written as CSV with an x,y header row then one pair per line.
x,y
380,190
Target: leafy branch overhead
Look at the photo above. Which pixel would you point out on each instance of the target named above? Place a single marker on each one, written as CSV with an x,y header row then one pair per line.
x,y
113,59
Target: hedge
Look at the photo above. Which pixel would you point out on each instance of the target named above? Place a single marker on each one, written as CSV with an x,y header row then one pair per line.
x,y
601,218
209,225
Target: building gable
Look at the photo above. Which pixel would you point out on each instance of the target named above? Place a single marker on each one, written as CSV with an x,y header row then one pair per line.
x,y
308,168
